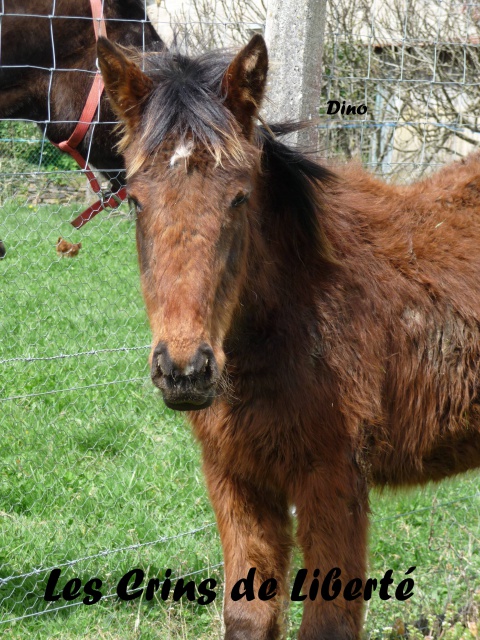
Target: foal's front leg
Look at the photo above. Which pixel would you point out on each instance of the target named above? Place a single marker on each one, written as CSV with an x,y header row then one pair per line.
x,y
255,530
332,510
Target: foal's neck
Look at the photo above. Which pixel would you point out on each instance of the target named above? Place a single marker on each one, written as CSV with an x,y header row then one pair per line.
x,y
283,261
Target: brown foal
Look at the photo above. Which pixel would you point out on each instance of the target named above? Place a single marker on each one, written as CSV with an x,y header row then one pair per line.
x,y
320,327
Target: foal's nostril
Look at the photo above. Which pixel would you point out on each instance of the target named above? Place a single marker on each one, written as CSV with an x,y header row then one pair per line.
x,y
203,363
162,364
202,368
189,387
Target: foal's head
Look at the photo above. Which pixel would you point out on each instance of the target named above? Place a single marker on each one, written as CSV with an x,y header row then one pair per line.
x,y
192,167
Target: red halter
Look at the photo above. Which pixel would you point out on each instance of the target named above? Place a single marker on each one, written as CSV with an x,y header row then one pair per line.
x,y
70,146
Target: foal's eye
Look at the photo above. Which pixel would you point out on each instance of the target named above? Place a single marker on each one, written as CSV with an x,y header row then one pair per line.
x,y
239,199
136,204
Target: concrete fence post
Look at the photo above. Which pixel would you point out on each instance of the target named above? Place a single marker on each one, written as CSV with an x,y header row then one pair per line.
x,y
294,34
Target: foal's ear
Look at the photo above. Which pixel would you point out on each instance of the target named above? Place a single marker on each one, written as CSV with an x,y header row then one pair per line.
x,y
244,82
126,84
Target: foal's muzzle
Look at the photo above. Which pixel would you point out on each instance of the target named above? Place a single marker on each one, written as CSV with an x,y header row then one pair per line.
x,y
185,388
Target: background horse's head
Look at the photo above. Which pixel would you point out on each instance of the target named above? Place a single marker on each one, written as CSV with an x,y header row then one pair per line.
x,y
47,72
192,166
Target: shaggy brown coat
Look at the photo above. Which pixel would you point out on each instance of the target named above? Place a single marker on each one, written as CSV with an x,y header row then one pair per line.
x,y
326,323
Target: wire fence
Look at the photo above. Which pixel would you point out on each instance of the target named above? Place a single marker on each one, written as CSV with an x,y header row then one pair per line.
x,y
97,477
414,65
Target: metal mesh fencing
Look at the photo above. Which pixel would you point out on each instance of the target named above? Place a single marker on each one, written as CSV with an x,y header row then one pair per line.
x,y
414,65
97,477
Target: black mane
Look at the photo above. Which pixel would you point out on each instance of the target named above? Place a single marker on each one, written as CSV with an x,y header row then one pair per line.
x,y
296,184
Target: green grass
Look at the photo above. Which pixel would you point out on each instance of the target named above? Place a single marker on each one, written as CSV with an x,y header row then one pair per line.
x,y
92,462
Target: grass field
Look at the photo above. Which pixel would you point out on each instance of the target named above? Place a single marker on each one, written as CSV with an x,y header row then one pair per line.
x,y
98,478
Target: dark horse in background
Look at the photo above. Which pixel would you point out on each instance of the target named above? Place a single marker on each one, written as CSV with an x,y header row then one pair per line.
x,y
321,328
32,45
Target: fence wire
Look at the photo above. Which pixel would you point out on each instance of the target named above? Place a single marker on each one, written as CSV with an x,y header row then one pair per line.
x,y
97,477
414,65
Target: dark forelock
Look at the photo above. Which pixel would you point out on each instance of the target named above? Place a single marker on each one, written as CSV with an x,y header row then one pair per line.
x,y
187,101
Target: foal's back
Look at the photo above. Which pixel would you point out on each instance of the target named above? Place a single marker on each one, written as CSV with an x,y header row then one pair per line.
x,y
414,253
430,231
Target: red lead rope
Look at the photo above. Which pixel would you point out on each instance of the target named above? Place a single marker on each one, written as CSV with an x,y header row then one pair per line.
x,y
70,145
